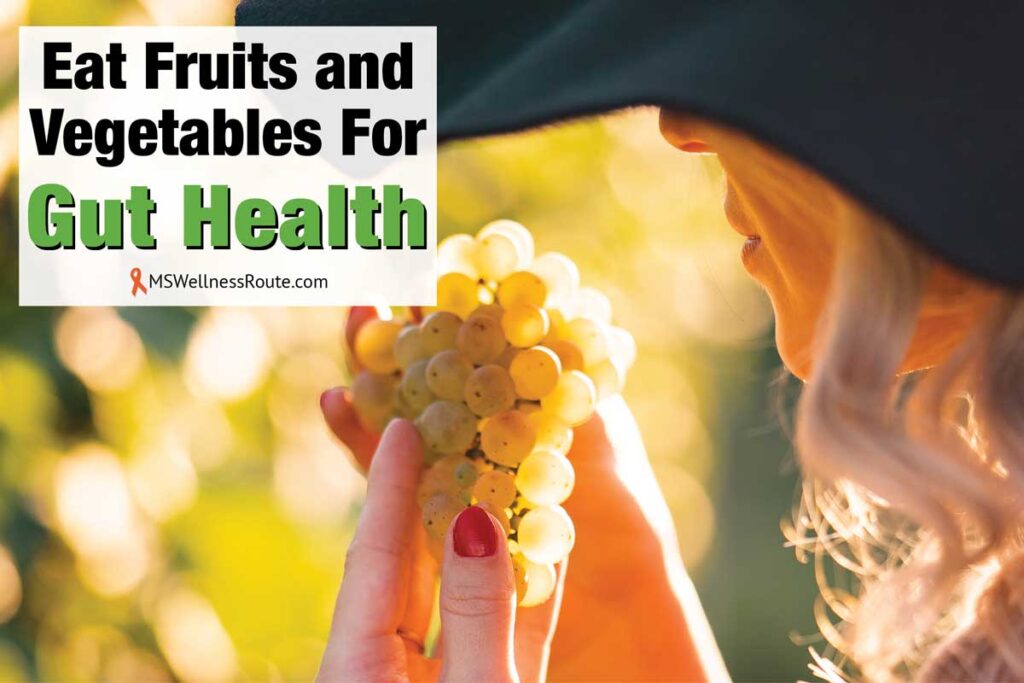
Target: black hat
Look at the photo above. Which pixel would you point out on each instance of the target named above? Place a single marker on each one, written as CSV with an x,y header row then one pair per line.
x,y
915,108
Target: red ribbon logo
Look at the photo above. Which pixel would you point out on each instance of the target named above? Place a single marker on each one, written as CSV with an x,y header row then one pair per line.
x,y
137,282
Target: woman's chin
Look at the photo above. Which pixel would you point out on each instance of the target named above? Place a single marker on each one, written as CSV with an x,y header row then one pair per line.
x,y
795,351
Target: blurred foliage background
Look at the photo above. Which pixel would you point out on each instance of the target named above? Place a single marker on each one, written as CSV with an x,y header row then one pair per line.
x,y
171,506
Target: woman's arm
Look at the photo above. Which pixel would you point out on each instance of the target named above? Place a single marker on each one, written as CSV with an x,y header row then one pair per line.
x,y
630,611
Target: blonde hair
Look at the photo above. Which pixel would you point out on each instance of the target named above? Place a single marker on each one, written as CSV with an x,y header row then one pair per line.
x,y
913,485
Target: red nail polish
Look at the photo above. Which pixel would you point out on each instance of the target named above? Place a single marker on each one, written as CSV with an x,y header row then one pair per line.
x,y
474,534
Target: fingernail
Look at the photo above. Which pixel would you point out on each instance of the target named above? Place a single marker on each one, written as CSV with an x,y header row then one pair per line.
x,y
326,396
393,423
474,534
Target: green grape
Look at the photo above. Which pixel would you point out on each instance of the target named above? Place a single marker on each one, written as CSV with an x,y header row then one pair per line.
x,y
519,574
592,304
455,254
560,275
447,427
496,488
590,337
535,372
621,347
498,513
439,512
431,483
414,388
496,256
514,354
540,581
522,287
507,438
607,378
457,293
489,390
375,345
438,331
525,325
480,339
430,456
527,407
373,397
409,346
568,353
507,356
546,534
514,231
573,398
465,474
446,465
403,409
556,325
552,431
440,478
490,310
446,374
545,477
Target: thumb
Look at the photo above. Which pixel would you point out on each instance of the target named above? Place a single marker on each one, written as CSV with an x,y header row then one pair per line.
x,y
477,601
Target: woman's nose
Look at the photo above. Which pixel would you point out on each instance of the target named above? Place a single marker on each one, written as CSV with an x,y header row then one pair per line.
x,y
681,132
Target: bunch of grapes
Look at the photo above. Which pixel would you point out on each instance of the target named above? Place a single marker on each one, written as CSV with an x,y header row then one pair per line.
x,y
514,355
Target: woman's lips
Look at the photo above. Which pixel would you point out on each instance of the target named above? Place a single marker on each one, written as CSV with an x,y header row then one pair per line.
x,y
736,217
750,246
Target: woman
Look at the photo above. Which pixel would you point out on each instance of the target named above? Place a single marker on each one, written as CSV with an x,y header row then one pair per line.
x,y
878,205
857,307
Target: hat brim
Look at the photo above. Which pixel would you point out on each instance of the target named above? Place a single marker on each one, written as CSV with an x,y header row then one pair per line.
x,y
909,109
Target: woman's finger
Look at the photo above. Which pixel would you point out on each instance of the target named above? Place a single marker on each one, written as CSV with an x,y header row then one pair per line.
x,y
340,415
419,606
373,594
477,601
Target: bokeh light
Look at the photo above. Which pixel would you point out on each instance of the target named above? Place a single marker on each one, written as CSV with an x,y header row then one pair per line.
x,y
163,481
10,586
97,515
98,346
714,297
193,639
228,354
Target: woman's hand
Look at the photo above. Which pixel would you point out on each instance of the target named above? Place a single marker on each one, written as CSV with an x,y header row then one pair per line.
x,y
629,611
386,599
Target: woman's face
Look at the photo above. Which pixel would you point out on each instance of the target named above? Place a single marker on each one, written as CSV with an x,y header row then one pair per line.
x,y
787,252
790,248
